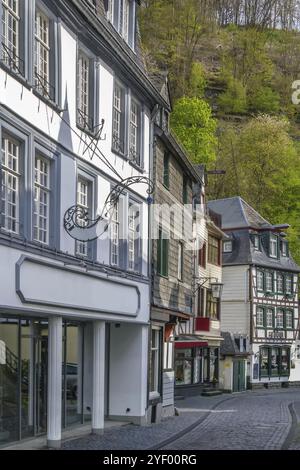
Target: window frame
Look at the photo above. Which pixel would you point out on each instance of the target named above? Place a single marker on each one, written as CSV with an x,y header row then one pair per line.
x,y
230,245
90,180
162,254
47,189
267,274
282,312
289,312
260,271
157,349
166,170
14,62
272,311
272,238
282,276
214,249
180,261
263,325
119,142
136,157
137,241
90,122
212,304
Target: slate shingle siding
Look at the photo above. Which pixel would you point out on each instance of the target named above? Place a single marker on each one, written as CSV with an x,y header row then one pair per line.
x,y
171,293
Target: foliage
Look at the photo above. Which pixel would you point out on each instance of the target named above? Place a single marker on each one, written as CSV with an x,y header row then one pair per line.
x,y
197,81
234,99
195,127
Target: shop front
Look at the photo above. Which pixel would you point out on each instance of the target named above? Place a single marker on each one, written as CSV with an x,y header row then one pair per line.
x,y
73,349
196,366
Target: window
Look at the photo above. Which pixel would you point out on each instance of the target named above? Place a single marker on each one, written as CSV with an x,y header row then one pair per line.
x,y
11,36
284,248
42,55
133,237
110,10
213,250
260,317
273,247
227,247
201,299
289,284
84,92
166,173
155,367
264,362
122,14
280,283
162,254
274,362
202,256
256,242
10,192
260,281
269,282
83,201
212,306
135,132
289,322
118,138
41,200
180,261
269,318
279,318
185,190
184,366
115,235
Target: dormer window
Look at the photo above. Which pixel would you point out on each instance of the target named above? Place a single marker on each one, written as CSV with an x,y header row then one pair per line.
x,y
256,242
284,248
227,247
122,14
273,246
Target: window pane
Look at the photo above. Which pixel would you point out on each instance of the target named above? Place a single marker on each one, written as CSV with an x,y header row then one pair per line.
x,y
9,379
41,200
260,317
275,358
264,362
280,285
84,119
10,184
269,318
83,201
42,54
260,280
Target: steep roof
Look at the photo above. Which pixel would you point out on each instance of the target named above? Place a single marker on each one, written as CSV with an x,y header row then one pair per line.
x,y
237,213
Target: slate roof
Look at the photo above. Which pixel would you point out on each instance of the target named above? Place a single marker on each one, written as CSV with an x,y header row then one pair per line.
x,y
229,347
237,213
240,220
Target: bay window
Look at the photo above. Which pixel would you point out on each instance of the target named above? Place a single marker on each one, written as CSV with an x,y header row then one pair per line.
x,y
41,200
10,190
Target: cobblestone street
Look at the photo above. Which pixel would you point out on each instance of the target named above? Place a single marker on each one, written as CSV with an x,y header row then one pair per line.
x,y
260,420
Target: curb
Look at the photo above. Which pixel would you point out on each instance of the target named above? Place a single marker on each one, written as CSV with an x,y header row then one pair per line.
x,y
290,437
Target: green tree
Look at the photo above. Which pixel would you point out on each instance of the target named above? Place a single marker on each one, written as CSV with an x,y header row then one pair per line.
x,y
195,127
234,99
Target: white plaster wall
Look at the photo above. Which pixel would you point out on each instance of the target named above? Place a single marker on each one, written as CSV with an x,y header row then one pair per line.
x,y
226,374
128,370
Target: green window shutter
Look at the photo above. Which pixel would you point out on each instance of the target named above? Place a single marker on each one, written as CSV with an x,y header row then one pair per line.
x,y
159,246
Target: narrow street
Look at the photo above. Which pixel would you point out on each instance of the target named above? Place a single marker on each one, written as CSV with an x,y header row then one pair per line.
x,y
259,420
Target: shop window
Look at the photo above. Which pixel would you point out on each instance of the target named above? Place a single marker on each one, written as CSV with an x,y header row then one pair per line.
x,y
183,366
264,362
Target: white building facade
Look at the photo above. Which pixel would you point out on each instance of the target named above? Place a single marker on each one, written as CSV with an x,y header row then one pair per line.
x,y
75,120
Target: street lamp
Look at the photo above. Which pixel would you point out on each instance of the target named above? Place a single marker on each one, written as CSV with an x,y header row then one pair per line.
x,y
216,289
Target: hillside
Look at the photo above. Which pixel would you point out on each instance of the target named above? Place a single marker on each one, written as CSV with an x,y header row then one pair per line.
x,y
244,71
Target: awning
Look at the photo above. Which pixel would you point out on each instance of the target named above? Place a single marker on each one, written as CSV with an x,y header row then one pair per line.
x,y
190,344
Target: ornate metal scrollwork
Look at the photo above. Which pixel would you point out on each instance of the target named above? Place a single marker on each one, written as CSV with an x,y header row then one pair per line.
x,y
76,219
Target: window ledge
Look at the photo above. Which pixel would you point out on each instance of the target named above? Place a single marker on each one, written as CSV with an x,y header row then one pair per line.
x,y
119,154
47,101
20,78
88,132
136,166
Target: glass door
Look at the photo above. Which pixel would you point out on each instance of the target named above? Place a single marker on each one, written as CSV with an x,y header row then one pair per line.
x,y
41,379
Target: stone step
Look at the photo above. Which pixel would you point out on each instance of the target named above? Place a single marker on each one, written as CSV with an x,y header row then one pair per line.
x,y
211,393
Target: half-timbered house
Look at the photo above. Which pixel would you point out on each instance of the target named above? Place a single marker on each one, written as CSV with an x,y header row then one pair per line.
x,y
260,297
